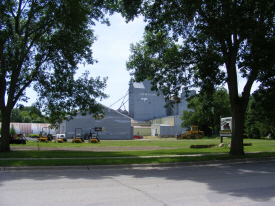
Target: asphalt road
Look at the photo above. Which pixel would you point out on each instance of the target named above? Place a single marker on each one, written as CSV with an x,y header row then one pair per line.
x,y
250,183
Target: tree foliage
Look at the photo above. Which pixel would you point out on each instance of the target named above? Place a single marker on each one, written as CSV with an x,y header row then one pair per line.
x,y
12,130
16,115
252,121
41,44
260,119
205,111
158,58
218,40
31,113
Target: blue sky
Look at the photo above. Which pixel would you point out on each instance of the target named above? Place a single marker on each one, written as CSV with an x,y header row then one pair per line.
x,y
112,50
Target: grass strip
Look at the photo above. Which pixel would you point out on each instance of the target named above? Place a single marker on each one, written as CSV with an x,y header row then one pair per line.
x,y
80,154
116,161
171,142
264,146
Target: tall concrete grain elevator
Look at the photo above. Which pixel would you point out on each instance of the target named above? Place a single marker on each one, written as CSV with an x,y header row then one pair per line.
x,y
145,104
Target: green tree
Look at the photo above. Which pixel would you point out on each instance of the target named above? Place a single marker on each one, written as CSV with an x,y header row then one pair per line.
x,y
16,115
27,119
12,130
157,57
38,120
41,43
252,120
32,110
260,119
218,40
24,114
205,111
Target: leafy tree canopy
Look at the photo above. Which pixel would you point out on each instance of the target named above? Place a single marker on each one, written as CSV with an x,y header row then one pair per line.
x,y
158,58
218,40
32,110
41,44
26,119
18,114
206,111
260,119
12,130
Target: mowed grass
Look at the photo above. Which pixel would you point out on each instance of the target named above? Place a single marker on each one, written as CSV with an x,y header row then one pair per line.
x,y
159,142
266,147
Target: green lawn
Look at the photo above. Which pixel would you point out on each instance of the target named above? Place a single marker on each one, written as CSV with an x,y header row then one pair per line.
x,y
266,147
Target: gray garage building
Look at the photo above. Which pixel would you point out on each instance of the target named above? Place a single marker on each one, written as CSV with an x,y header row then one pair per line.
x,y
117,125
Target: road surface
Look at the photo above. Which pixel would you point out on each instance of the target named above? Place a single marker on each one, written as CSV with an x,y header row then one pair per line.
x,y
249,183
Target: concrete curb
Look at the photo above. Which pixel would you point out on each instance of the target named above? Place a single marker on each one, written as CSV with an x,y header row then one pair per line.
x,y
136,166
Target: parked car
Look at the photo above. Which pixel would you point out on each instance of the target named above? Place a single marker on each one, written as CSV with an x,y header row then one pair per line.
x,y
138,137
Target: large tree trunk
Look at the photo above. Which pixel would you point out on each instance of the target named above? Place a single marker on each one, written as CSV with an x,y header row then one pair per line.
x,y
5,132
238,118
238,108
238,102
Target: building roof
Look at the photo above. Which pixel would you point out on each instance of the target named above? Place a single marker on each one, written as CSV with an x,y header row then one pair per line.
x,y
116,111
138,85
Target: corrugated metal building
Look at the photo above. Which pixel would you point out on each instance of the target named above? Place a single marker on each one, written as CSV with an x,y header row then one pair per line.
x,y
117,125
